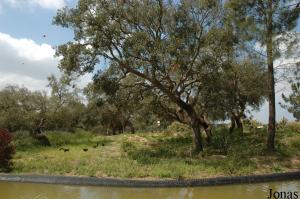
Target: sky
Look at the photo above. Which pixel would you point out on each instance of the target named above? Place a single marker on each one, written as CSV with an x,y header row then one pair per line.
x,y
27,41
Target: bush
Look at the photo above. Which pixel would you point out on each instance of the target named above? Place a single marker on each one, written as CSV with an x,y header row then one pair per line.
x,y
60,138
293,126
178,127
252,124
221,140
99,129
23,141
6,150
282,123
128,147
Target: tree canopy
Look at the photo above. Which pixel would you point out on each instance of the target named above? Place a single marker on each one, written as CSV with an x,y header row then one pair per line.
x,y
264,24
183,52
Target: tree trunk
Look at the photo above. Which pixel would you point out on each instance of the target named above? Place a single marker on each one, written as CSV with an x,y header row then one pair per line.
x,y
236,122
207,128
271,82
131,127
208,134
188,115
239,123
197,140
37,134
232,127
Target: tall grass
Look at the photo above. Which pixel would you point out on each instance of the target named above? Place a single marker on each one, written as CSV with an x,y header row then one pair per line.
x,y
161,154
23,141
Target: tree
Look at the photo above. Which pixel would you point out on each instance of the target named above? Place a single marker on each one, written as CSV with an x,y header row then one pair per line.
x,y
65,105
120,99
244,86
116,107
10,110
261,22
293,100
23,109
171,46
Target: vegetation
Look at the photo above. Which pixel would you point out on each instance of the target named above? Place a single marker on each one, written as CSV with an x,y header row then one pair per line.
x,y
164,74
160,154
293,100
266,23
6,150
181,52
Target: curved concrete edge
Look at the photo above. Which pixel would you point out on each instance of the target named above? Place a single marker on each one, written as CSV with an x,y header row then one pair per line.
x,y
93,181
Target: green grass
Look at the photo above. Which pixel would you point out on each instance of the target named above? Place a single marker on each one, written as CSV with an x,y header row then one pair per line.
x,y
165,154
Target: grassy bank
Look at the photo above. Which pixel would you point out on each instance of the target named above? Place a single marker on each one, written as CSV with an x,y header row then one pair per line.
x,y
155,155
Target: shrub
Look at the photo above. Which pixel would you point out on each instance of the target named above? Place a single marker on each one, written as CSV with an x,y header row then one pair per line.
x,y
178,127
128,147
99,129
282,123
6,150
23,141
60,138
293,126
221,140
252,124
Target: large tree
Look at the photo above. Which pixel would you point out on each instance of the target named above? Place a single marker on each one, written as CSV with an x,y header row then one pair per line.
x,y
22,109
174,47
292,101
261,22
243,86
65,104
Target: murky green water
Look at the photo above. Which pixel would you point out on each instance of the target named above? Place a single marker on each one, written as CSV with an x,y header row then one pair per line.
x,y
42,191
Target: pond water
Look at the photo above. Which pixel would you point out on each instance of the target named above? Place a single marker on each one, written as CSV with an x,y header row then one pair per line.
x,y
11,190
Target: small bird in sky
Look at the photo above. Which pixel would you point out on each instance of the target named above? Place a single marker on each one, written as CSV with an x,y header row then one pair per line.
x,y
44,36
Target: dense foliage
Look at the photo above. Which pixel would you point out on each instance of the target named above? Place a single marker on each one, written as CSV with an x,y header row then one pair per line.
x,y
155,62
185,53
6,150
293,100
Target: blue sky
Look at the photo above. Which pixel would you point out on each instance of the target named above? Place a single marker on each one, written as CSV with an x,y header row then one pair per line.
x,y
26,56
33,21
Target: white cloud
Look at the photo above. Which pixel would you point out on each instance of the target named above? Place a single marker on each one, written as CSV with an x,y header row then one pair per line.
x,y
47,4
25,57
22,80
23,62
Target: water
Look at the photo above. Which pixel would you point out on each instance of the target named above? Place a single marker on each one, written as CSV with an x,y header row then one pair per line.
x,y
11,190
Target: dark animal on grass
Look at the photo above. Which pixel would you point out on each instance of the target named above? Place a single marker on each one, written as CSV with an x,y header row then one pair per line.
x,y
85,150
65,150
